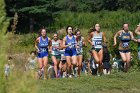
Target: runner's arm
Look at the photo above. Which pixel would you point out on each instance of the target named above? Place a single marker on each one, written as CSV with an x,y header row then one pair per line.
x,y
116,35
64,43
137,31
104,37
84,43
36,44
50,44
132,37
61,44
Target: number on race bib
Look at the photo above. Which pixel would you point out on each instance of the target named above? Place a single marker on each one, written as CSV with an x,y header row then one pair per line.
x,y
98,42
125,44
44,50
78,50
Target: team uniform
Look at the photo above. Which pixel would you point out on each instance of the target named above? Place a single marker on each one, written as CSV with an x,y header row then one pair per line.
x,y
106,60
125,38
63,58
55,51
70,50
97,41
139,48
43,47
80,49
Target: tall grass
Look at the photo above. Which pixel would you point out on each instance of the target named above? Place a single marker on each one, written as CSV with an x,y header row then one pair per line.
x,y
18,80
108,19
4,22
3,58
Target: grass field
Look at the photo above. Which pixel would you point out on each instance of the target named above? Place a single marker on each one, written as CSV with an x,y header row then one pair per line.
x,y
115,83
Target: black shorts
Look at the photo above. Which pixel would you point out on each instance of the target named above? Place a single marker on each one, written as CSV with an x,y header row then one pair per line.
x,y
63,61
96,49
124,51
106,65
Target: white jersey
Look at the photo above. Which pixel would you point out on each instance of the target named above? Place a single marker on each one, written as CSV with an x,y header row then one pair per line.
x,y
80,44
97,40
55,51
62,52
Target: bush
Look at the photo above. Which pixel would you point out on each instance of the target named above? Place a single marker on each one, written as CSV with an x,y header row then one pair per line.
x,y
109,20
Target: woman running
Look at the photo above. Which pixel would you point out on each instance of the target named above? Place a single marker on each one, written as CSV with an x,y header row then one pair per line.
x,y
137,31
80,43
63,64
125,36
56,46
96,39
42,44
69,43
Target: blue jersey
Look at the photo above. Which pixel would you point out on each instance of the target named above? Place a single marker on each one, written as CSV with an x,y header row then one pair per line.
x,y
125,37
70,42
71,49
43,45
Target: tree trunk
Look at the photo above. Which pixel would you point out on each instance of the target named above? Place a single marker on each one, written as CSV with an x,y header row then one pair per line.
x,y
31,25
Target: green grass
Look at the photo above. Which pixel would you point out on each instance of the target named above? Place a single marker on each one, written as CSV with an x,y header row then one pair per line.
x,y
3,58
116,83
119,82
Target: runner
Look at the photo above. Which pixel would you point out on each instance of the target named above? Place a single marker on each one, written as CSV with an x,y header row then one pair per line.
x,y
42,44
125,36
69,42
96,39
56,46
137,31
63,64
106,60
80,43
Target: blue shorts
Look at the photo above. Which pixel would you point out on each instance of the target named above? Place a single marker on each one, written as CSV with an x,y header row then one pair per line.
x,y
70,52
42,54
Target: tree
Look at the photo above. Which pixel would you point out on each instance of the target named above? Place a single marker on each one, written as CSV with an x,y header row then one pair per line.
x,y
32,10
129,5
38,13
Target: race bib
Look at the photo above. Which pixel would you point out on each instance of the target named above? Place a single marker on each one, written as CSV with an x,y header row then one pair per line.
x,y
99,42
78,50
54,49
44,50
71,45
125,44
